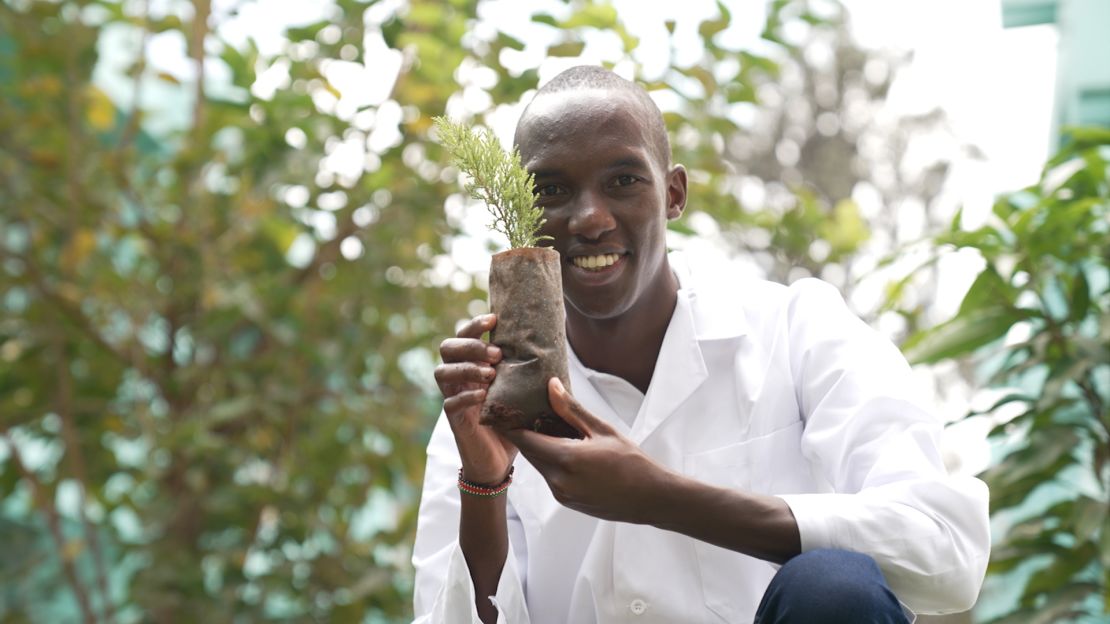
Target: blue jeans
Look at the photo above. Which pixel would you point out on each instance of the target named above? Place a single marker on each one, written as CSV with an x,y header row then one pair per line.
x,y
829,587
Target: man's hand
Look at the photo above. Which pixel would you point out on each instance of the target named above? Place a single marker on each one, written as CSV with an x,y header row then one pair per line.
x,y
463,379
604,474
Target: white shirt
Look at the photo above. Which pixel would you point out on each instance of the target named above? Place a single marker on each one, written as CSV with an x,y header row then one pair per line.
x,y
760,387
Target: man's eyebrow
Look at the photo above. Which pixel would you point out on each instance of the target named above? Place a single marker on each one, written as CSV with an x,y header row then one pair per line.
x,y
628,161
545,173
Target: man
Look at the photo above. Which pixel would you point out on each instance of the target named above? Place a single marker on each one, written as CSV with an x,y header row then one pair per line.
x,y
730,427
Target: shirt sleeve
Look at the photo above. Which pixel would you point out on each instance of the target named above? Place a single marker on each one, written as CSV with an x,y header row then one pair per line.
x,y
444,593
868,434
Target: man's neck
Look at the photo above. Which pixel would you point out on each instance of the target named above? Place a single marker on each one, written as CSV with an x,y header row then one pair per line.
x,y
627,345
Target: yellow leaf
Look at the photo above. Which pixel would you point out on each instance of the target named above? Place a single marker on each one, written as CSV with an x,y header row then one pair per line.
x,y
80,245
44,157
72,549
846,231
252,206
100,112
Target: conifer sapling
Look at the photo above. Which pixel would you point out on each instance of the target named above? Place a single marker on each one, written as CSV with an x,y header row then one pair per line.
x,y
525,286
496,178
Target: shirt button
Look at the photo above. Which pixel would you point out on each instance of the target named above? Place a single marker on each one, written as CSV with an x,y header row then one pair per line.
x,y
637,607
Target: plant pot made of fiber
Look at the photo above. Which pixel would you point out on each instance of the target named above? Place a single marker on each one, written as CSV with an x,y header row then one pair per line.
x,y
526,294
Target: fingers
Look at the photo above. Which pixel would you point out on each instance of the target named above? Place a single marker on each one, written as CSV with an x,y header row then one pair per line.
x,y
468,350
467,359
464,372
542,450
478,326
462,401
567,407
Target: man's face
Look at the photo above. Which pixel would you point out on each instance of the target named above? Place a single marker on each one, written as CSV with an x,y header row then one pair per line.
x,y
605,194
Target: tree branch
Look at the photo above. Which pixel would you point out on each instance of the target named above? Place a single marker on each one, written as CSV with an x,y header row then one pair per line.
x,y
64,406
131,125
201,10
53,521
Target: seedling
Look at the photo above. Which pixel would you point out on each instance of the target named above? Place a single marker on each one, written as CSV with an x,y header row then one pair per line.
x,y
525,286
496,178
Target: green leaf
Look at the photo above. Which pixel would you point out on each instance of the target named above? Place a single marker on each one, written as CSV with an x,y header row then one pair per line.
x,y
508,41
307,33
1064,604
567,48
601,16
764,64
1058,573
1088,518
1080,296
703,76
961,335
709,28
988,290
544,18
1104,544
740,92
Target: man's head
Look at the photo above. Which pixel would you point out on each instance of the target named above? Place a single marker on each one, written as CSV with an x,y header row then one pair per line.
x,y
598,148
592,77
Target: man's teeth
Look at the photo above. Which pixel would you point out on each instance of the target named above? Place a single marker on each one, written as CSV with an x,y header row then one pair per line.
x,y
595,262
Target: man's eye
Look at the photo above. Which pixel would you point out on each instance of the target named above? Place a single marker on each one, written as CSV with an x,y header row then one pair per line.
x,y
547,190
624,180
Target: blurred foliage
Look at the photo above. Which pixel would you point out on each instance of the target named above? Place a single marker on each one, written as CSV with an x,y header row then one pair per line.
x,y
215,334
222,284
834,172
1037,318
210,381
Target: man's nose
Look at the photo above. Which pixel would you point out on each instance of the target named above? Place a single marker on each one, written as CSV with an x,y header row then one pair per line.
x,y
591,217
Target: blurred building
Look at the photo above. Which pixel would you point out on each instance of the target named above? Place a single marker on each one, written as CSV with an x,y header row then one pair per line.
x,y
1083,61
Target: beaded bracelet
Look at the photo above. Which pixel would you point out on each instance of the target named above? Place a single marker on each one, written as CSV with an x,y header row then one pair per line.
x,y
477,489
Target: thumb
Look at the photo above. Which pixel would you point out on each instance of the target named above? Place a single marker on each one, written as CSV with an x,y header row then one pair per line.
x,y
567,407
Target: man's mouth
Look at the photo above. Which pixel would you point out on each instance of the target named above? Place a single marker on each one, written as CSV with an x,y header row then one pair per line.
x,y
595,263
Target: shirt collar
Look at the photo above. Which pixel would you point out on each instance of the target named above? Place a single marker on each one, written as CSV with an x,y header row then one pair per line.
x,y
714,298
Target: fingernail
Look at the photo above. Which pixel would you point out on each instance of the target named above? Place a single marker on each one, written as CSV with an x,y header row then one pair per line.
x,y
493,352
559,385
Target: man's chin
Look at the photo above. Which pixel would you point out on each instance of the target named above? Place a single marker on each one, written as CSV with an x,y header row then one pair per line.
x,y
594,310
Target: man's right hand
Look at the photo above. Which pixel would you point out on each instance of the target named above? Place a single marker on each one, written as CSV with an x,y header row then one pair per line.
x,y
463,379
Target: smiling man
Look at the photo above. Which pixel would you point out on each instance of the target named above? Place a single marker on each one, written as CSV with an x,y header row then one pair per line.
x,y
750,450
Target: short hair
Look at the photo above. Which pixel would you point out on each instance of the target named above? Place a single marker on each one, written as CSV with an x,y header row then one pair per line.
x,y
595,77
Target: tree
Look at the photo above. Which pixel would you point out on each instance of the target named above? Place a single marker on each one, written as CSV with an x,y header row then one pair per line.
x,y
214,338
1036,321
223,284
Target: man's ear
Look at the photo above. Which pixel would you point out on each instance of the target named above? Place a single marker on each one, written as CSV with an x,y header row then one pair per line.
x,y
676,192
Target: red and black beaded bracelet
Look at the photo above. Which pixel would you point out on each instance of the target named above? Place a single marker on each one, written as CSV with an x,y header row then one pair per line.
x,y
477,489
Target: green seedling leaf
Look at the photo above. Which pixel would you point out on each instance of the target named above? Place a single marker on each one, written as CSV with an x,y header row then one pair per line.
x,y
496,178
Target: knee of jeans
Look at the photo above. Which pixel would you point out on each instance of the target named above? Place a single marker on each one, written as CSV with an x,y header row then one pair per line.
x,y
830,581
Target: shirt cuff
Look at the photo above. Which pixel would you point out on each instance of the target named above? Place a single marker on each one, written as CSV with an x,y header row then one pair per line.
x,y
457,603
811,513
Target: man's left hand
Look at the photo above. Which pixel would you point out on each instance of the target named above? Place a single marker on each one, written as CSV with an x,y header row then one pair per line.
x,y
604,474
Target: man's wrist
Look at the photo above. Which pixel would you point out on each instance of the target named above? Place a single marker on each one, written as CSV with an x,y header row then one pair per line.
x,y
484,477
474,488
